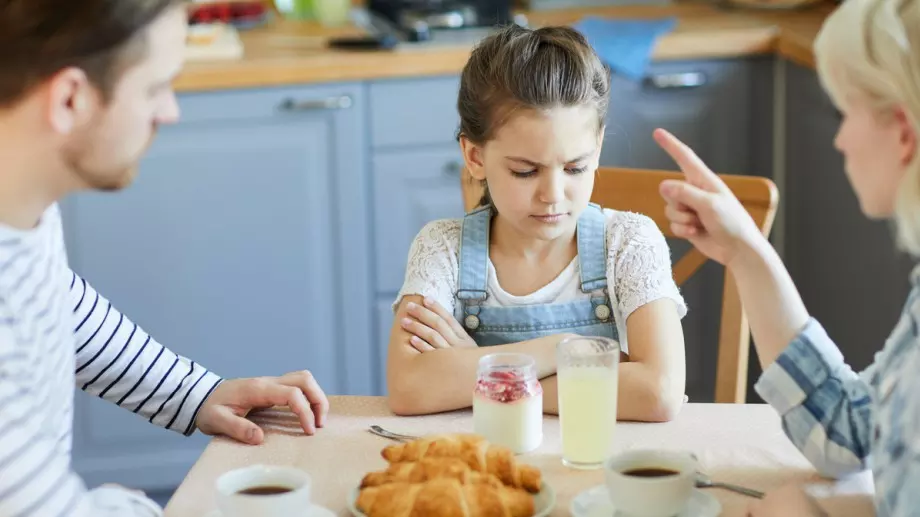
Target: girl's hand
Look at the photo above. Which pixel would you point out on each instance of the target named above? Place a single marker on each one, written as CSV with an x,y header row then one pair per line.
x,y
788,501
432,327
702,209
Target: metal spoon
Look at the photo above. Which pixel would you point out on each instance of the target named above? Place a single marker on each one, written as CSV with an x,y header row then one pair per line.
x,y
379,431
704,481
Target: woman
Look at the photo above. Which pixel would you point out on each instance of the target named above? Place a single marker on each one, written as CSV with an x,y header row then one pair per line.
x,y
868,58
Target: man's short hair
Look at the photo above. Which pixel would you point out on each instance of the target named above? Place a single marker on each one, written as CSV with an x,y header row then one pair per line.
x,y
38,38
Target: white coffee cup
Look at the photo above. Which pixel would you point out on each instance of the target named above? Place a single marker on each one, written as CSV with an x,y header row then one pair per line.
x,y
233,501
650,496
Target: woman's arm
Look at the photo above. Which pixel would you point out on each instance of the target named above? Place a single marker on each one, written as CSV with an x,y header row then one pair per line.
x,y
771,301
826,408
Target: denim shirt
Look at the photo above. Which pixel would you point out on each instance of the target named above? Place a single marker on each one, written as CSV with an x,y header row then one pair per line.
x,y
845,422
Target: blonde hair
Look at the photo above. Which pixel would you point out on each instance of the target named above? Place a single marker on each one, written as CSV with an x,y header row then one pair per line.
x,y
872,48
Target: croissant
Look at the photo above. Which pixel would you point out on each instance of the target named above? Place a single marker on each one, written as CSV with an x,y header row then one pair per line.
x,y
444,498
427,469
475,451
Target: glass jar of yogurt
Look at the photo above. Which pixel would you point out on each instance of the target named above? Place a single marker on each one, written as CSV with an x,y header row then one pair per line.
x,y
508,402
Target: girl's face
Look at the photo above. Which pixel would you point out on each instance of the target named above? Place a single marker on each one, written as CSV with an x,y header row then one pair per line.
x,y
540,168
877,148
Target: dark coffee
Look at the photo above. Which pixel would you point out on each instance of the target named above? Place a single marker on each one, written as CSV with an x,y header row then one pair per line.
x,y
265,490
653,472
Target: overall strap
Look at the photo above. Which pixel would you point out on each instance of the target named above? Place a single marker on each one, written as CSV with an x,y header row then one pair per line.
x,y
592,248
474,256
592,257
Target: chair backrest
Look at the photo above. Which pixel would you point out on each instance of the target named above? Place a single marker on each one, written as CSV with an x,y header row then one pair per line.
x,y
636,190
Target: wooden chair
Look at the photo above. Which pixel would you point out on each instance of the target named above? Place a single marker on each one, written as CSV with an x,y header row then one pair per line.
x,y
636,190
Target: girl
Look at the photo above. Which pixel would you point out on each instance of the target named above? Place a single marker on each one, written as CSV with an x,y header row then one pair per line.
x,y
868,56
536,262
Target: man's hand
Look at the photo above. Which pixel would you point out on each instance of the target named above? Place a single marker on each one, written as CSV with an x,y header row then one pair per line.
x,y
225,410
433,327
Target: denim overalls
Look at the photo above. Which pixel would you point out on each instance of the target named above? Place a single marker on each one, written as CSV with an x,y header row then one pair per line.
x,y
490,326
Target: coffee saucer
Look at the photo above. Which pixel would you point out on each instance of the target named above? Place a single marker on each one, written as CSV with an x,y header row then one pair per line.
x,y
313,511
595,502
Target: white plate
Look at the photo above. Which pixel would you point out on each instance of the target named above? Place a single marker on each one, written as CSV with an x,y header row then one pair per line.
x,y
595,502
314,511
543,501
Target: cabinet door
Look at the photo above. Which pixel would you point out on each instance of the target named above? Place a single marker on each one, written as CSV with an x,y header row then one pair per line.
x,y
413,112
226,251
704,103
411,188
846,267
710,106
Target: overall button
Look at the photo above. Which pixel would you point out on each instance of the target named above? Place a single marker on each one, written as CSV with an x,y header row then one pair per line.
x,y
602,312
471,322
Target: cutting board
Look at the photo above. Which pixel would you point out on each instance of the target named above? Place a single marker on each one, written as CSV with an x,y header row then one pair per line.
x,y
213,42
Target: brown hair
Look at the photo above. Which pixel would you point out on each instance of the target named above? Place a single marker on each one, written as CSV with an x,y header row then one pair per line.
x,y
535,69
38,38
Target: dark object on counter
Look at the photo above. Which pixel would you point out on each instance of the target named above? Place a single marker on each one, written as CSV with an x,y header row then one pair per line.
x,y
370,42
417,17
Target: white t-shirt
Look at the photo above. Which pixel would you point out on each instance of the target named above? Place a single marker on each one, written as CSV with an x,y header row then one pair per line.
x,y
56,331
638,269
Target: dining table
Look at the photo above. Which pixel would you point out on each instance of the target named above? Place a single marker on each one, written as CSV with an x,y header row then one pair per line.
x,y
738,443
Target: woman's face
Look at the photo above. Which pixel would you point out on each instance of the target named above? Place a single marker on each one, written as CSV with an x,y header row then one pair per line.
x,y
877,147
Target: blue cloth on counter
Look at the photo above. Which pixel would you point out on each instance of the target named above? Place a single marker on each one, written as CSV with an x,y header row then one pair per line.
x,y
625,45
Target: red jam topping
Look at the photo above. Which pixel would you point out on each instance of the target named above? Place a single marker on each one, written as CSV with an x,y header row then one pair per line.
x,y
507,386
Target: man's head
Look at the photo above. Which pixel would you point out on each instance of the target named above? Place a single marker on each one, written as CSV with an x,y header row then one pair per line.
x,y
89,82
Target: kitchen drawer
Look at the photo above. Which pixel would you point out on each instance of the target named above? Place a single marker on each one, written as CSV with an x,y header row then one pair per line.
x,y
412,112
707,104
269,103
411,188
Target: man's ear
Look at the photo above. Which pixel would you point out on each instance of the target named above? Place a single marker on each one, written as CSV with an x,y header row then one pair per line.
x,y
72,100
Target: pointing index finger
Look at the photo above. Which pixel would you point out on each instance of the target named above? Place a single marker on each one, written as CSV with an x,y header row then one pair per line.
x,y
696,171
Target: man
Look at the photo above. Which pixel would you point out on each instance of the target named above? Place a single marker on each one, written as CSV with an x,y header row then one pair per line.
x,y
83,87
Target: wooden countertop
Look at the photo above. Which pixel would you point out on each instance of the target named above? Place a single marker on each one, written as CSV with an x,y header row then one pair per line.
x,y
286,52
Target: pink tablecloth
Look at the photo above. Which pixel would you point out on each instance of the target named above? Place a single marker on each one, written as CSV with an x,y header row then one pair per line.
x,y
740,443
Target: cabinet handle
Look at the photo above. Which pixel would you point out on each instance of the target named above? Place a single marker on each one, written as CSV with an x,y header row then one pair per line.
x,y
329,103
678,80
452,168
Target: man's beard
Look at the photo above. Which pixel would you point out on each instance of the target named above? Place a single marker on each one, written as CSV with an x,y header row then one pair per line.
x,y
106,179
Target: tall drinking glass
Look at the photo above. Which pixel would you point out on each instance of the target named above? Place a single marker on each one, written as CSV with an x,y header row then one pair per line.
x,y
587,374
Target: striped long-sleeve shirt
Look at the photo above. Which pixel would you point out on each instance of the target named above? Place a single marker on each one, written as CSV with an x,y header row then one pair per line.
x,y
845,422
55,332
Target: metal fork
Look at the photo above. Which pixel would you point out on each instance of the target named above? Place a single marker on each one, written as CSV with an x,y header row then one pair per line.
x,y
379,431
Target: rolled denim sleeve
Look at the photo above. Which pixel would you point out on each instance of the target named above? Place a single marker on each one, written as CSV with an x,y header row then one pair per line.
x,y
901,497
825,406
